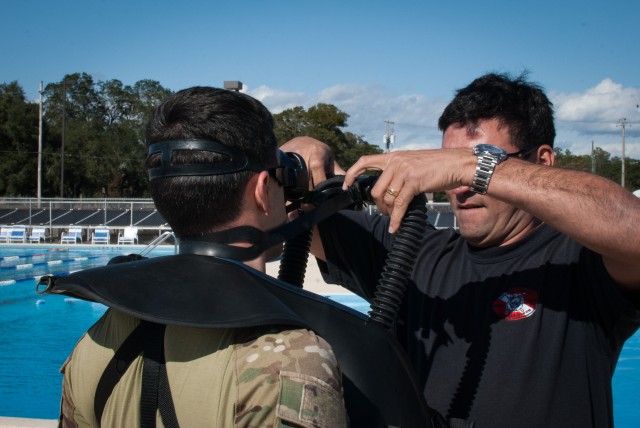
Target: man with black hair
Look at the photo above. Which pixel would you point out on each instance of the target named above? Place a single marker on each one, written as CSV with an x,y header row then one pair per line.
x,y
264,376
518,319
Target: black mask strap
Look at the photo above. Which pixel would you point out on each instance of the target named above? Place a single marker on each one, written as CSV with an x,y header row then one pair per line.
x,y
236,159
291,172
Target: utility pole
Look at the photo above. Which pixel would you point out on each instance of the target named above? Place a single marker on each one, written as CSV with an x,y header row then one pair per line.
x,y
39,192
623,124
593,159
64,102
389,138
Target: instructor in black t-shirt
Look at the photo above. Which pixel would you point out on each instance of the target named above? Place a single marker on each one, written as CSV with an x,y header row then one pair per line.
x,y
518,318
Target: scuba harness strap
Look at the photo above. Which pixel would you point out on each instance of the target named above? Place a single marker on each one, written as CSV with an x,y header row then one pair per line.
x,y
147,338
122,359
155,383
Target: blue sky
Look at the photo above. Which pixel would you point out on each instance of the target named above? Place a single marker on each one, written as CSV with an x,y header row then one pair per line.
x,y
376,60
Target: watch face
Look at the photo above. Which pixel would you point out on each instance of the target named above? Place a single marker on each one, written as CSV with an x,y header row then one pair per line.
x,y
491,150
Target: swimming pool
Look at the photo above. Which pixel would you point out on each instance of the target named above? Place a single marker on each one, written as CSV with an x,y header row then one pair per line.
x,y
38,332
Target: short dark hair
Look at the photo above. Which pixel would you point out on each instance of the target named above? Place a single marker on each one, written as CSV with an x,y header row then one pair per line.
x,y
195,205
520,105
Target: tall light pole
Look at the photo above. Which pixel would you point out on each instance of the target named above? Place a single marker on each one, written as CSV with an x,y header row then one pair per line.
x,y
389,138
39,191
64,101
622,123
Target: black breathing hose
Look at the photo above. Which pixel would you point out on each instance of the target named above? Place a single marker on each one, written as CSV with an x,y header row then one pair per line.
x,y
294,259
295,253
400,259
399,264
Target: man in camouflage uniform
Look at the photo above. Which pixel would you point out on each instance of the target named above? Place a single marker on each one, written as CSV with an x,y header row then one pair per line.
x,y
269,376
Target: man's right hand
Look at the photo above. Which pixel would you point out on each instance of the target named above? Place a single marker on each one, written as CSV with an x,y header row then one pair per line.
x,y
318,157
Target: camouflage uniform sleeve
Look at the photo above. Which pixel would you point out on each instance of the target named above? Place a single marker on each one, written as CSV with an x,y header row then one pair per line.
x,y
288,379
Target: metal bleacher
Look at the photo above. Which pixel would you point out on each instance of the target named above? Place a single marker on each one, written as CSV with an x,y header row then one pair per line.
x,y
58,215
442,220
441,216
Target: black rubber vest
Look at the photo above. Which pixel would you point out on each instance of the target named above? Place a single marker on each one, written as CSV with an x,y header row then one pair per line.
x,y
202,291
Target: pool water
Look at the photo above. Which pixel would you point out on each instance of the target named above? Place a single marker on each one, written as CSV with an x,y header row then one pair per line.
x,y
626,381
38,332
35,338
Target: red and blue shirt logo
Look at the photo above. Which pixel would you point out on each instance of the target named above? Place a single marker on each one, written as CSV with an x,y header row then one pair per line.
x,y
516,304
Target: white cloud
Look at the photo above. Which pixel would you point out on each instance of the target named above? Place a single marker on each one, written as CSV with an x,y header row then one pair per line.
x,y
604,103
277,101
580,117
369,106
594,115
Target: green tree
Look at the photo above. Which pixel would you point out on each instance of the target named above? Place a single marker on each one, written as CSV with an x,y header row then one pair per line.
x,y
633,174
73,113
147,95
104,134
323,122
18,142
566,159
290,123
602,163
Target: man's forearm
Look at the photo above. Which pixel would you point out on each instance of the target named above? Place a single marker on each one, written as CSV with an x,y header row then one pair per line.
x,y
593,210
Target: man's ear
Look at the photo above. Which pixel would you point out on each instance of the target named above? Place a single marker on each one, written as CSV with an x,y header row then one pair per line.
x,y
546,155
261,192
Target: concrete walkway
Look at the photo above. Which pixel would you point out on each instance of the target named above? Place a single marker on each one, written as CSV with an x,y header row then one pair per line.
x,y
6,422
312,279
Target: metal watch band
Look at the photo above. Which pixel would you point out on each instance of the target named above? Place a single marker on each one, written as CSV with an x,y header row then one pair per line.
x,y
484,169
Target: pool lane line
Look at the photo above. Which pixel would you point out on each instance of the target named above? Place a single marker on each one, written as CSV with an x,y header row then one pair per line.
x,y
37,277
49,263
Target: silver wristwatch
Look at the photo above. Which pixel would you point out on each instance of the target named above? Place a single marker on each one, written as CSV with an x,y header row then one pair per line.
x,y
488,157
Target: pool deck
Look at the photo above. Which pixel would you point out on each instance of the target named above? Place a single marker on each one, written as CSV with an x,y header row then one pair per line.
x,y
312,279
6,422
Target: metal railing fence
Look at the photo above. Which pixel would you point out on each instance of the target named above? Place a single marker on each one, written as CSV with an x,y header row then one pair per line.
x,y
439,212
57,214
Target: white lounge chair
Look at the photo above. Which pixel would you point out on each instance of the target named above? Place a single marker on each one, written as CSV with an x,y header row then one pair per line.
x,y
100,235
72,236
5,233
129,236
38,234
18,234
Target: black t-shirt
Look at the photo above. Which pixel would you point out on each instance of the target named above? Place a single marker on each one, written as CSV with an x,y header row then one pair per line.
x,y
525,335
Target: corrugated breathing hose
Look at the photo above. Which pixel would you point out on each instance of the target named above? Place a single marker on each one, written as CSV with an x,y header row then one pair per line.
x,y
294,259
399,264
400,259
